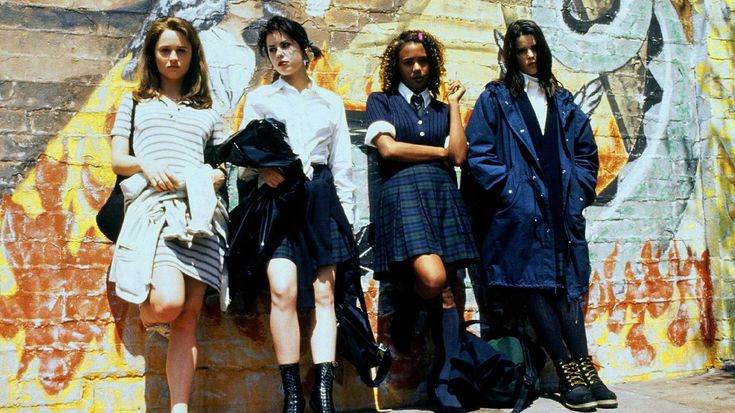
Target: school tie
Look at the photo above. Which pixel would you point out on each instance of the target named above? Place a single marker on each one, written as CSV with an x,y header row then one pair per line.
x,y
417,101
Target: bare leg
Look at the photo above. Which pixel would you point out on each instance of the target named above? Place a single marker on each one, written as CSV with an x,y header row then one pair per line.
x,y
324,333
176,299
166,299
181,359
284,321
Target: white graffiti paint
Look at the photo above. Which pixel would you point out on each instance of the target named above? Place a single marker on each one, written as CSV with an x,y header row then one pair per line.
x,y
317,8
614,44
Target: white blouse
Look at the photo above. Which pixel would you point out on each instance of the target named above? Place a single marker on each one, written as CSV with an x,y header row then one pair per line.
x,y
537,97
317,130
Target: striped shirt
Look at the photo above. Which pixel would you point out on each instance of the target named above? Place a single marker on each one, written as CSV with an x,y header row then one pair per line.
x,y
176,134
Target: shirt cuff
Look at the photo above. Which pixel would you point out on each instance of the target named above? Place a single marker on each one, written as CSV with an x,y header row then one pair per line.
x,y
376,128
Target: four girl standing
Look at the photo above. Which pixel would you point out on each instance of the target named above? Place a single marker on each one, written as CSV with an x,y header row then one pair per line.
x,y
422,224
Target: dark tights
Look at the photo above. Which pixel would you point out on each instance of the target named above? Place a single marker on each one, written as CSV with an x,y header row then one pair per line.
x,y
557,322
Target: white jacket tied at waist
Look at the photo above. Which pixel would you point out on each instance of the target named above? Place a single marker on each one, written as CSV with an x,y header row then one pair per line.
x,y
150,214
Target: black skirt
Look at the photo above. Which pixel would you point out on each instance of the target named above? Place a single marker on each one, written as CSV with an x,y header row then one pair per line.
x,y
325,237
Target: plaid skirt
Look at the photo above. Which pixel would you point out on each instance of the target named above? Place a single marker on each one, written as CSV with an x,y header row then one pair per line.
x,y
421,212
325,238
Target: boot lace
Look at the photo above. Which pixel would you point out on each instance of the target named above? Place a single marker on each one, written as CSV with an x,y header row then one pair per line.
x,y
588,370
571,373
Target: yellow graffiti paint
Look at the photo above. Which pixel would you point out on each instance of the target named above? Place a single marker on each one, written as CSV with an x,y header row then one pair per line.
x,y
81,144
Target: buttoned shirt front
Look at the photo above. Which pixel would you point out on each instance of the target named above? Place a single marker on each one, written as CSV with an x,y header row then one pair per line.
x,y
316,125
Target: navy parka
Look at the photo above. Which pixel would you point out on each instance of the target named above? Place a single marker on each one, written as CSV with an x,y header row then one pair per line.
x,y
508,198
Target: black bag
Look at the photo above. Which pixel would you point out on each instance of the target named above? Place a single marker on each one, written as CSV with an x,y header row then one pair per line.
x,y
501,372
110,216
355,340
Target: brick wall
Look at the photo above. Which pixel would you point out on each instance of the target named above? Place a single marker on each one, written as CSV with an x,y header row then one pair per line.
x,y
656,77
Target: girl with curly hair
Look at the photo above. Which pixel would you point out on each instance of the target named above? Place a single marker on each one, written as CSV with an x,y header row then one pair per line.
x,y
422,226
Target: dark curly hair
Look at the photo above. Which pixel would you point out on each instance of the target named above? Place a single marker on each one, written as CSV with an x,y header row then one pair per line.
x,y
390,76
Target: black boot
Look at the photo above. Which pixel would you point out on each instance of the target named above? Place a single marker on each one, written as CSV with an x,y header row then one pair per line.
x,y
321,395
293,395
606,399
573,390
446,401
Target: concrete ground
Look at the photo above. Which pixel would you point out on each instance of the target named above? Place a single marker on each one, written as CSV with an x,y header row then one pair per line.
x,y
713,391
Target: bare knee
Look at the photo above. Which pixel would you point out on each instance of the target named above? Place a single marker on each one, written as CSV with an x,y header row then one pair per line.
x,y
167,308
323,294
324,287
188,316
283,284
431,277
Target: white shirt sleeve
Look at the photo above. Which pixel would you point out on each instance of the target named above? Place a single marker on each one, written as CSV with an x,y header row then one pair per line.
x,y
340,163
376,128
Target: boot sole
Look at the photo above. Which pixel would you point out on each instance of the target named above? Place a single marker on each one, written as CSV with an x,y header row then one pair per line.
x,y
584,407
607,404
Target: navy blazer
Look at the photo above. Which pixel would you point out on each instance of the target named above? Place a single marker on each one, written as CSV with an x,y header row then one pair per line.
x,y
510,198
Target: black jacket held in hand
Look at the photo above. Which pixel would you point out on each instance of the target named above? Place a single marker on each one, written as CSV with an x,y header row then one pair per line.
x,y
262,220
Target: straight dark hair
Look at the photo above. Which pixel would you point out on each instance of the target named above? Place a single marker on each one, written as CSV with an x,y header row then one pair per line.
x,y
295,31
513,78
195,87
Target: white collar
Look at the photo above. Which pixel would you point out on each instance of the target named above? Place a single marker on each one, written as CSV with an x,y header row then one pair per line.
x,y
530,79
313,88
407,93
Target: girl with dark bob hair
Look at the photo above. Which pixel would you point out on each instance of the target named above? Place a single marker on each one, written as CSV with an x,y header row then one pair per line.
x,y
422,230
302,270
171,245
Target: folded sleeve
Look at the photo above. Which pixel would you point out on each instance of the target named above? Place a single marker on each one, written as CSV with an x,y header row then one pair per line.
x,y
377,118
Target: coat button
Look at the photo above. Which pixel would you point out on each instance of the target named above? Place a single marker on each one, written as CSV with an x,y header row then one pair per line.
x,y
523,130
533,177
563,171
421,133
542,195
535,220
510,191
581,199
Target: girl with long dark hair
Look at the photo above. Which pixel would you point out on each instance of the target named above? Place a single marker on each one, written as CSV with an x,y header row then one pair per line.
x,y
533,157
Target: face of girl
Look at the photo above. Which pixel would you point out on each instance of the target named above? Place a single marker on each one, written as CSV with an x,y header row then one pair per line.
x,y
284,54
413,65
526,54
173,55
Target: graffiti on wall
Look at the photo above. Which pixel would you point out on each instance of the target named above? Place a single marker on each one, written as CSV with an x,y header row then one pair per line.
x,y
629,65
